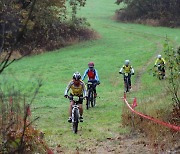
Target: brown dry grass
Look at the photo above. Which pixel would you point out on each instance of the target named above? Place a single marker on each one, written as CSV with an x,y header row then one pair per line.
x,y
161,138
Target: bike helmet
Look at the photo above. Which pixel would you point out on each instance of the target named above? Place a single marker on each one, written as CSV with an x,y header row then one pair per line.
x,y
91,64
126,62
77,76
159,56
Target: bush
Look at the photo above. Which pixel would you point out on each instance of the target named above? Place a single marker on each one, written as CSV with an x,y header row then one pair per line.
x,y
37,26
17,133
164,11
172,57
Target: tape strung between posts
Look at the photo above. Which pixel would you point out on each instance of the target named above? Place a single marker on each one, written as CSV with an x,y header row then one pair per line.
x,y
177,128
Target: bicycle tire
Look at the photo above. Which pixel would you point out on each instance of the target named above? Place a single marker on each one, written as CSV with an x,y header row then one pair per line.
x,y
126,86
94,101
92,98
76,121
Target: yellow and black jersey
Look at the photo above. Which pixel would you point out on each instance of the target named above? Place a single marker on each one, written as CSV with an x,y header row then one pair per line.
x,y
127,69
76,90
160,61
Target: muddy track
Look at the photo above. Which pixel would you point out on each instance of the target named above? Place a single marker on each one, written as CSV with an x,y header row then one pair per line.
x,y
124,144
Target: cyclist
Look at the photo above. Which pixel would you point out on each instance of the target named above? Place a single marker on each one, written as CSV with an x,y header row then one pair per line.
x,y
160,63
77,87
92,75
127,68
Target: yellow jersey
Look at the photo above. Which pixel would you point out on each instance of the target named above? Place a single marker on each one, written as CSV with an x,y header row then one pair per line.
x,y
127,69
76,90
160,61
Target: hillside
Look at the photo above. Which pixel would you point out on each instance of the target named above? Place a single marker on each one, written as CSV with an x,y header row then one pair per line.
x,y
118,41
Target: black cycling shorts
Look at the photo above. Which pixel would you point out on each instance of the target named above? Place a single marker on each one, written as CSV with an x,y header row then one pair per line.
x,y
80,99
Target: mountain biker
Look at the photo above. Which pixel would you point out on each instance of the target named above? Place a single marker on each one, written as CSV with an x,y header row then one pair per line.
x,y
127,68
160,63
77,87
92,75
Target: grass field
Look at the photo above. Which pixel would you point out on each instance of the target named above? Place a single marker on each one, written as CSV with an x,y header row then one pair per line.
x,y
118,41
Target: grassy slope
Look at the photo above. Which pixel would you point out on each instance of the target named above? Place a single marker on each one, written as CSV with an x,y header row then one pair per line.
x,y
118,42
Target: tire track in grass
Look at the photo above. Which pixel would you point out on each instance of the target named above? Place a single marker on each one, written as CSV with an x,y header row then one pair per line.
x,y
144,69
148,37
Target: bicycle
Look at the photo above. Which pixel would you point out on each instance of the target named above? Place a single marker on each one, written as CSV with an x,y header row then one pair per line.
x,y
160,74
126,82
159,71
91,100
75,112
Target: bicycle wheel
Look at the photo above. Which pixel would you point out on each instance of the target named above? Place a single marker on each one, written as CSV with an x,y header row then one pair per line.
x,y
94,101
126,86
76,121
92,98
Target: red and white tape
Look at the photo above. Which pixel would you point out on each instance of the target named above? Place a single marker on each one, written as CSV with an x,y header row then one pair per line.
x,y
174,127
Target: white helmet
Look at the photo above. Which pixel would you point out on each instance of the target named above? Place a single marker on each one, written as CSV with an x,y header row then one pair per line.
x,y
126,62
77,76
159,56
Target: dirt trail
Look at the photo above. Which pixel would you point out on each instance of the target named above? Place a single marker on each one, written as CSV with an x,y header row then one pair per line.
x,y
132,144
123,144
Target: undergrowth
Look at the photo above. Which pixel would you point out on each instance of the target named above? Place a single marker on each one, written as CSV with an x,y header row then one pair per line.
x,y
160,137
18,135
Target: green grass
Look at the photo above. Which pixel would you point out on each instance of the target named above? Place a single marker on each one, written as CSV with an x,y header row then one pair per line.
x,y
119,41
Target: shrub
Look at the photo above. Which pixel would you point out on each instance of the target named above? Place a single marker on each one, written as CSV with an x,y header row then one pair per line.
x,y
165,11
17,132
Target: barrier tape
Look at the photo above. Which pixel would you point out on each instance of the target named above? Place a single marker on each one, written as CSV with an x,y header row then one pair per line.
x,y
177,128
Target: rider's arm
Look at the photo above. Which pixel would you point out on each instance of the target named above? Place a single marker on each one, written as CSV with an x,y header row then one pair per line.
x,y
84,90
156,62
85,73
121,69
132,70
164,61
67,88
96,77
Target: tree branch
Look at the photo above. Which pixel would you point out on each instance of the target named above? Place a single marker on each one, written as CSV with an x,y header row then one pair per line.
x,y
25,25
2,43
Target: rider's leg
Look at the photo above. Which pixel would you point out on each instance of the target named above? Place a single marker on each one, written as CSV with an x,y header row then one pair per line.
x,y
70,111
129,81
81,112
163,71
70,108
124,79
95,94
125,83
81,109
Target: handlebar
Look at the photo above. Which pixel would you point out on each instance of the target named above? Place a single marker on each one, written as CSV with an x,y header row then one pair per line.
x,y
126,73
72,97
158,65
94,83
